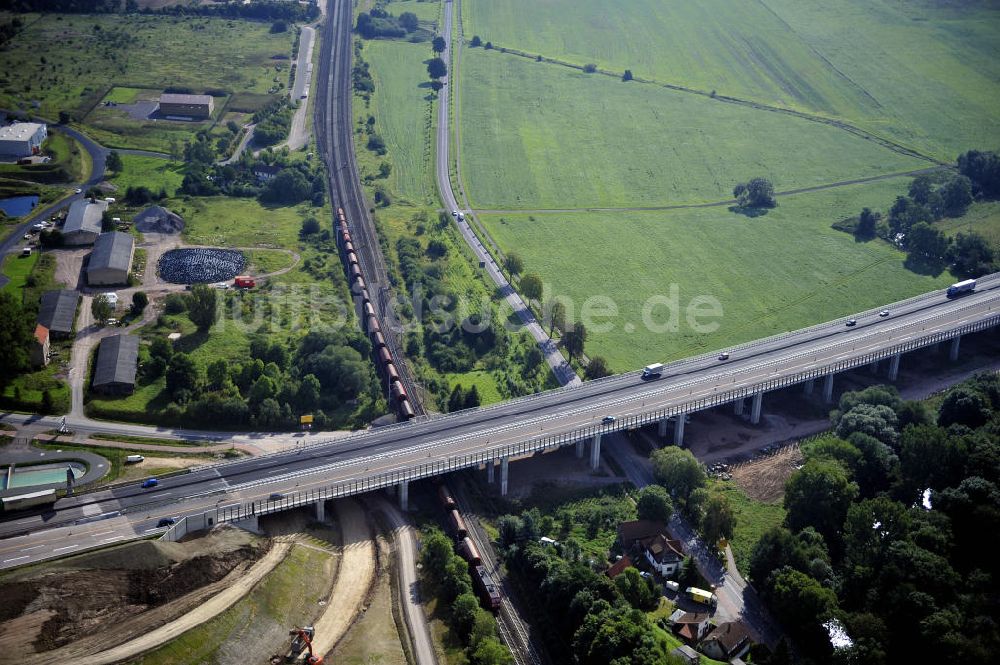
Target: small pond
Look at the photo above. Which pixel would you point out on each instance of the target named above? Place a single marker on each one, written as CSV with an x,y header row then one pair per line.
x,y
199,266
15,206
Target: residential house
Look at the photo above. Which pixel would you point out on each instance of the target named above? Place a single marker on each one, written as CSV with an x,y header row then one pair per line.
x,y
648,539
618,567
729,640
690,626
40,347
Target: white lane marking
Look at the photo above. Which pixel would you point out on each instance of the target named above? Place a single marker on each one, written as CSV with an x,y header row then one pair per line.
x,y
164,493
36,547
110,540
151,530
102,533
17,558
63,549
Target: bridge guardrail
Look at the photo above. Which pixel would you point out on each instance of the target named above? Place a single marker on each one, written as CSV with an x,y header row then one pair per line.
x,y
530,446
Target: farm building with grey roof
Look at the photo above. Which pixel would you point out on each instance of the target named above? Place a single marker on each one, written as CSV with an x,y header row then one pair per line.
x,y
83,222
57,311
111,259
114,371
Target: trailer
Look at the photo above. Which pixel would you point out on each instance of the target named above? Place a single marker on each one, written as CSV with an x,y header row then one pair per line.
x,y
961,288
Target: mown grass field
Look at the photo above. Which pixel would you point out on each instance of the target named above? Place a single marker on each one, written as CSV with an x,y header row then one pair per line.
x,y
772,273
924,73
982,218
151,172
538,135
221,221
403,116
85,55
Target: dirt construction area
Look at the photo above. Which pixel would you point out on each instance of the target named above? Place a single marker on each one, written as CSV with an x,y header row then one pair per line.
x,y
96,601
764,478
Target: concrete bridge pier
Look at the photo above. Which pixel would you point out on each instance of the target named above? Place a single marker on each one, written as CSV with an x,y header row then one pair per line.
x,y
404,495
579,449
504,463
807,387
490,471
953,353
894,367
758,400
320,507
663,428
595,452
738,406
828,389
679,430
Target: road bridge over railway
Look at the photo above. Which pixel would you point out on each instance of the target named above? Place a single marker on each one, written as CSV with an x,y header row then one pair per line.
x,y
493,436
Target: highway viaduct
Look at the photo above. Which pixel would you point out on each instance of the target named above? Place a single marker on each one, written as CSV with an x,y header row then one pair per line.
x,y
396,455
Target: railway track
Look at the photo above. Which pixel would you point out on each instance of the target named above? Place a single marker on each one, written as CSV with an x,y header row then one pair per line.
x,y
334,135
513,631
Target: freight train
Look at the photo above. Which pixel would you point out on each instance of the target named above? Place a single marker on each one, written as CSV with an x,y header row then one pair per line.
x,y
369,322
484,584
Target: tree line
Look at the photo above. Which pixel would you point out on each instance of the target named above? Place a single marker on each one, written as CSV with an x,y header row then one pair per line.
x,y
262,10
910,221
886,532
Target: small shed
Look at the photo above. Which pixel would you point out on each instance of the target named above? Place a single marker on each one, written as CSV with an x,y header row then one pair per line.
x,y
689,655
117,359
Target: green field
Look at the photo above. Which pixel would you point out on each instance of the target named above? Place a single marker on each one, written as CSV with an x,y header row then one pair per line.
x,y
537,135
763,285
151,172
17,268
235,222
85,55
982,218
403,118
923,73
753,518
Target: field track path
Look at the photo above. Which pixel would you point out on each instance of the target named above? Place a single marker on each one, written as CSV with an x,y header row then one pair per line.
x,y
357,576
714,204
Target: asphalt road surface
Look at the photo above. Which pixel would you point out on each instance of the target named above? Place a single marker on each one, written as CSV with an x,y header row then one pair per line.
x,y
562,369
566,411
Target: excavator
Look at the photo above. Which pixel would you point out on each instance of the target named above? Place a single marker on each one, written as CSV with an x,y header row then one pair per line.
x,y
301,639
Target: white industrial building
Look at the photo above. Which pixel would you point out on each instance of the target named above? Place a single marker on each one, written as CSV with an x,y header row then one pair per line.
x,y
111,259
22,139
83,222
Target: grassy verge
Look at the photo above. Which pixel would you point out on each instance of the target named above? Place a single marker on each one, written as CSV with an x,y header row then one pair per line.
x,y
17,268
128,438
259,622
753,518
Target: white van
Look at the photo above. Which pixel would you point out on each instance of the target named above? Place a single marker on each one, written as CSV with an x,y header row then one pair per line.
x,y
134,459
109,199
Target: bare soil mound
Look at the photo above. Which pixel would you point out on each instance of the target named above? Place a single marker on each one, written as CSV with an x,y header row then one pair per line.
x,y
764,479
69,600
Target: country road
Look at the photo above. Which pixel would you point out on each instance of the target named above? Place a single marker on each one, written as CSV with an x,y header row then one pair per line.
x,y
560,367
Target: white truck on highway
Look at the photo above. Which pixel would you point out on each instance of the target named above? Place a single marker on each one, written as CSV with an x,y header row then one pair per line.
x,y
652,371
967,286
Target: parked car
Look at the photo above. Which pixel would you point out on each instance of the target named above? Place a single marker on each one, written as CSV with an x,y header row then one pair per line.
x,y
150,482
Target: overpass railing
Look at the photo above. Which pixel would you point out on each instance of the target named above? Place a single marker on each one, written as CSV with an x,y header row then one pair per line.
x,y
490,454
